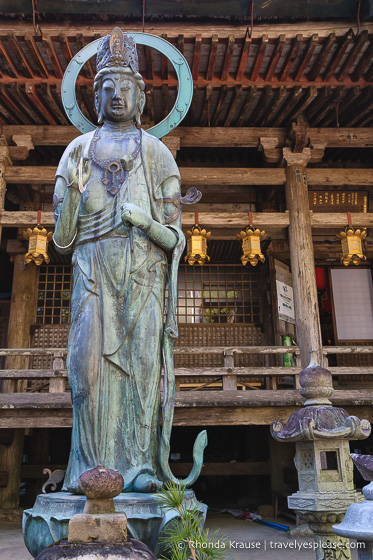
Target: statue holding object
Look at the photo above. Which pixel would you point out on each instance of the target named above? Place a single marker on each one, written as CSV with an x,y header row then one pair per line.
x,y
114,206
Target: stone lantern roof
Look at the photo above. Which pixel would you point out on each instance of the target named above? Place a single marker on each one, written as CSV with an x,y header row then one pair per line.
x,y
319,419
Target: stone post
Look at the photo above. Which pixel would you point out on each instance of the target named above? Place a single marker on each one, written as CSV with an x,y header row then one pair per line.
x,y
307,320
321,433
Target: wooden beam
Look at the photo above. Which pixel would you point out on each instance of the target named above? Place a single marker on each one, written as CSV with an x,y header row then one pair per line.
x,y
248,104
291,102
321,58
164,62
243,58
259,57
276,55
12,105
217,220
257,371
47,95
263,103
196,408
349,101
306,57
331,105
212,57
248,137
363,63
180,42
234,105
228,57
19,97
196,57
65,46
303,103
20,55
32,94
7,62
205,117
359,42
200,176
290,59
49,48
149,63
338,55
189,29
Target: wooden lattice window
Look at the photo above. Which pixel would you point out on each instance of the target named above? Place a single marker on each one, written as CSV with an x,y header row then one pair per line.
x,y
218,294
54,292
206,294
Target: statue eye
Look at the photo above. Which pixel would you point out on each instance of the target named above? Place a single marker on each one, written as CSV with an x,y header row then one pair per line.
x,y
108,85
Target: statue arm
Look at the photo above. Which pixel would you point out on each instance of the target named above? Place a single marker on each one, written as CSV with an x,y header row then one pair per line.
x,y
66,215
68,195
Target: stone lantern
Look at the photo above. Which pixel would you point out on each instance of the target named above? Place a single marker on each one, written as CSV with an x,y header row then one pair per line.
x,y
358,522
325,471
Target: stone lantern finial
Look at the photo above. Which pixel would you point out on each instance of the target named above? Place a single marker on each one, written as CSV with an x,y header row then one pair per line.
x,y
316,383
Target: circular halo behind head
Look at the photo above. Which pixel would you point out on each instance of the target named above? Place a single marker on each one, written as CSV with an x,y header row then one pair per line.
x,y
181,67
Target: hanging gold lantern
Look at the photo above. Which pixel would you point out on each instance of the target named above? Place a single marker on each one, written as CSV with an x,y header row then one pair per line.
x,y
38,239
197,244
251,249
352,244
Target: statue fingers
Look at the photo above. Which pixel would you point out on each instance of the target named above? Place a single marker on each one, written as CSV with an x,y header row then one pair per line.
x,y
87,165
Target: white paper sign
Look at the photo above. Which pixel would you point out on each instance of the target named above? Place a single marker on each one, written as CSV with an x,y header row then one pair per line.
x,y
353,303
285,302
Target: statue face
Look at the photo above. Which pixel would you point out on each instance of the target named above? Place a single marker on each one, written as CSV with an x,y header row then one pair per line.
x,y
118,98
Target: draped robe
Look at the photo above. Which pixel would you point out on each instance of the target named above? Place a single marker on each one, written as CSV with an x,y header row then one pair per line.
x,y
117,320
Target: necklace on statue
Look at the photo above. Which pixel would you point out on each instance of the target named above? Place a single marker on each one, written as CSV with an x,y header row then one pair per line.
x,y
115,170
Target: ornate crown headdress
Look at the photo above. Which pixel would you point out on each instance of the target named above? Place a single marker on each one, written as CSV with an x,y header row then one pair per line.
x,y
117,49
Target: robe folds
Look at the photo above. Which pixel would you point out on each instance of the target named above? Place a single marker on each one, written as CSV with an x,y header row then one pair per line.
x,y
117,319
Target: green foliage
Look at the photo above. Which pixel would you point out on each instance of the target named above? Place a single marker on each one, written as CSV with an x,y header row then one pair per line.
x,y
184,537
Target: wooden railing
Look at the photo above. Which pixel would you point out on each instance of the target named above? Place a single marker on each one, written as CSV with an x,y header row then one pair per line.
x,y
228,377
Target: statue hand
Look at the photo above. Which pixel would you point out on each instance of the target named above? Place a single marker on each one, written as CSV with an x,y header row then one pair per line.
x,y
79,170
132,215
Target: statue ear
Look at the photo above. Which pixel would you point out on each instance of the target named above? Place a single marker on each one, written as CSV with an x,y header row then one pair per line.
x,y
140,106
98,108
141,102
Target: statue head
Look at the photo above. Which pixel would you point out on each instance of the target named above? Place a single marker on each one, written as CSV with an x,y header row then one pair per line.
x,y
119,88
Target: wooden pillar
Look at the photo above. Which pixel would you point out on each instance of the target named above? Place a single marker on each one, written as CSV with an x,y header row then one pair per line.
x,y
10,462
21,317
4,162
22,309
308,330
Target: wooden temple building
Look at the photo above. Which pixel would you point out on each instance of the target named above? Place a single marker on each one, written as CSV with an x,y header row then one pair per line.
x,y
279,126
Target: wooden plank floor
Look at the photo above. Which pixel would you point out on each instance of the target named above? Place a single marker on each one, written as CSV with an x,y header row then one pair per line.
x,y
44,410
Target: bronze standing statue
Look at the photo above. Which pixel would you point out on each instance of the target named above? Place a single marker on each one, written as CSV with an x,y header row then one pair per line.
x,y
114,213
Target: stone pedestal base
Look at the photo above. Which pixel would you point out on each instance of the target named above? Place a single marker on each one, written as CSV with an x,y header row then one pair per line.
x,y
328,544
131,550
47,522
